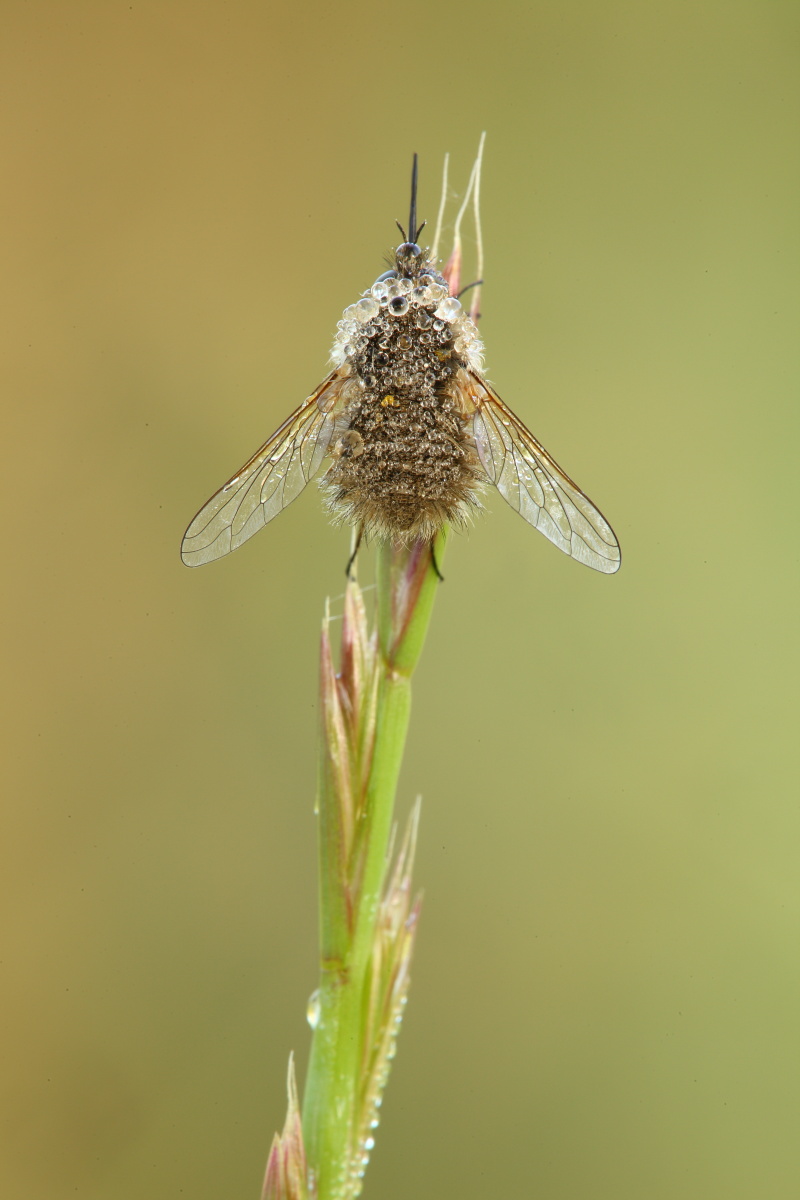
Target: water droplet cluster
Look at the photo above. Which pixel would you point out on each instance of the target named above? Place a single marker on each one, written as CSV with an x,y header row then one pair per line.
x,y
393,295
352,1180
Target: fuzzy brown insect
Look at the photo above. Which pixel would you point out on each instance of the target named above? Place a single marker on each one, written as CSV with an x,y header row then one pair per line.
x,y
412,431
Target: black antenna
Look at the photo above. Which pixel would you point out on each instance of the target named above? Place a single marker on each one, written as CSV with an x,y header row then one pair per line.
x,y
412,217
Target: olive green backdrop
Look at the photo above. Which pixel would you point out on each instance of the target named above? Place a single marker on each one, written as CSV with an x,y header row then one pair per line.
x,y
605,999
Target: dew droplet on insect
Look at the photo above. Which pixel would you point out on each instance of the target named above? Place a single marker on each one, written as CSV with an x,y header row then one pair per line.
x,y
448,309
398,305
366,309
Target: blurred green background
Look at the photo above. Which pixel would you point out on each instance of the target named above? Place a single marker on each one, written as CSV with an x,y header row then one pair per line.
x,y
605,999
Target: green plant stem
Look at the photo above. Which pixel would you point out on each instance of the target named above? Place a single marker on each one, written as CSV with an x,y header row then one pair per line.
x,y
349,903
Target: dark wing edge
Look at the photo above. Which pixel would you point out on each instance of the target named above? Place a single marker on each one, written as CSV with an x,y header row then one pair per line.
x,y
536,487
271,480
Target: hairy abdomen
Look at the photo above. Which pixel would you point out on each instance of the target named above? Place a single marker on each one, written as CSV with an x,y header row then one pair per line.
x,y
406,464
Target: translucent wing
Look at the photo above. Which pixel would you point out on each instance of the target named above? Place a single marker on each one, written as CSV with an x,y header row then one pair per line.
x,y
527,477
273,478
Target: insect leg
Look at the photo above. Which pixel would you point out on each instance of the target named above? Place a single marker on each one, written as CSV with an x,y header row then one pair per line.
x,y
352,558
434,563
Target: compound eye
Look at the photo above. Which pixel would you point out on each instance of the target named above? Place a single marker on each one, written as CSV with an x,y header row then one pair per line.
x,y
409,250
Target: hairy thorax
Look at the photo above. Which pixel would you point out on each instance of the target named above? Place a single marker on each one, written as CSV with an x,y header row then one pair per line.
x,y
405,463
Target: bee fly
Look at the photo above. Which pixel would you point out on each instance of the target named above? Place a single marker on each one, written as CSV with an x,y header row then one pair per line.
x,y
411,429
